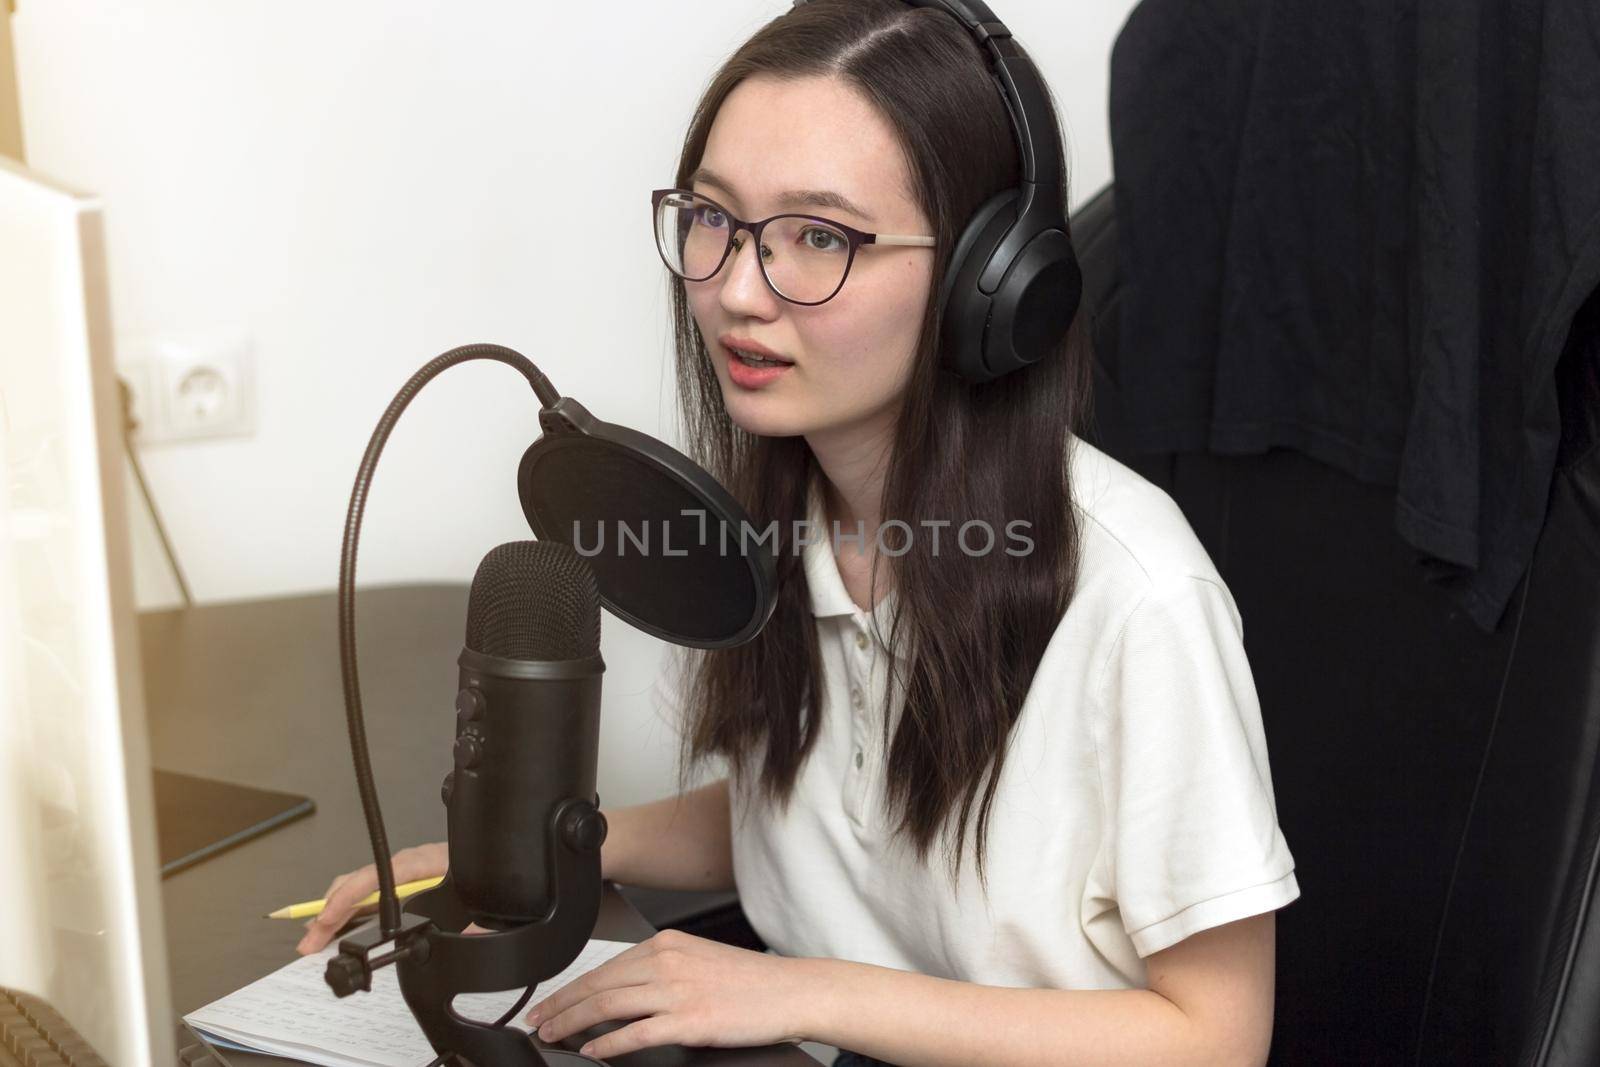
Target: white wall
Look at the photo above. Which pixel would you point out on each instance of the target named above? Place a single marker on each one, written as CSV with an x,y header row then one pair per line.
x,y
359,185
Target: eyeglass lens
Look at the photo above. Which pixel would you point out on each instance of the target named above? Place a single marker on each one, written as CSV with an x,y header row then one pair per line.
x,y
805,259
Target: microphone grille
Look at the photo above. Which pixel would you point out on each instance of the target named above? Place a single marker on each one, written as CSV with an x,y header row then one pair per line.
x,y
534,600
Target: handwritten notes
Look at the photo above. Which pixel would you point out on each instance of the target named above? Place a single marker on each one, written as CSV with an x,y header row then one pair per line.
x,y
292,1012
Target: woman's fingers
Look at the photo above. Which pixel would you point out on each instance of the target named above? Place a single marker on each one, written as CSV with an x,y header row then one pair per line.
x,y
421,861
345,893
343,896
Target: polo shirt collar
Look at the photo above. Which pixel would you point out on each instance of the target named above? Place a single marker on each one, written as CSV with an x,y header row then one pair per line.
x,y
829,597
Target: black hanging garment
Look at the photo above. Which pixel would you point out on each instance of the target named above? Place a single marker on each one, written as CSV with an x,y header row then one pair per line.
x,y
1362,231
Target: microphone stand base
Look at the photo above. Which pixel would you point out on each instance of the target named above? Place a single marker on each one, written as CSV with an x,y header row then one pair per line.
x,y
441,962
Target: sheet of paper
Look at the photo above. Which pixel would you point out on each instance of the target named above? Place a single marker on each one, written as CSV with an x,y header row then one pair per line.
x,y
292,1012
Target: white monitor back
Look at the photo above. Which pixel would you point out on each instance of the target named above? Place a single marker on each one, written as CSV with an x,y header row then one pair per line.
x,y
80,905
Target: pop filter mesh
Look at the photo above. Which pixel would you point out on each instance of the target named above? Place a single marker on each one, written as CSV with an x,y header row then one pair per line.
x,y
534,600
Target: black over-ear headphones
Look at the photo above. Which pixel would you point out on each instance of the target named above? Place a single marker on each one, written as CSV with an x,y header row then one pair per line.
x,y
1013,284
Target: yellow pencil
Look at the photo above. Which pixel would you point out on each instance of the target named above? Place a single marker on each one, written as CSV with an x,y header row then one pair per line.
x,y
314,907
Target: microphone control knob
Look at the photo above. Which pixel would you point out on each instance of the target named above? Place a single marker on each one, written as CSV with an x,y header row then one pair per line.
x,y
448,788
584,829
469,752
470,704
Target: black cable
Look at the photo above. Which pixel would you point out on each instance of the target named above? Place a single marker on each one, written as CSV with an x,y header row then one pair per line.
x,y
388,903
526,994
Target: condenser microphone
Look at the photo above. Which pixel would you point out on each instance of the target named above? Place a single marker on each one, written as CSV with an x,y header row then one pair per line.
x,y
525,828
527,734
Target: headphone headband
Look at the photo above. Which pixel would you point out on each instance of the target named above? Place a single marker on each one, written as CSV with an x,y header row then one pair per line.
x,y
1013,285
1021,87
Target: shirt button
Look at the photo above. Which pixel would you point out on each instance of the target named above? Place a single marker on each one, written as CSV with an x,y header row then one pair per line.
x,y
855,697
858,757
861,639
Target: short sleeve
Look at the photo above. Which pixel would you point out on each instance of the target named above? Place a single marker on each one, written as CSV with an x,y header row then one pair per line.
x,y
1192,832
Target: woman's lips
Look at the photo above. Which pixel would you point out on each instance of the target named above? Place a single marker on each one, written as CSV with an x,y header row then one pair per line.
x,y
751,346
747,377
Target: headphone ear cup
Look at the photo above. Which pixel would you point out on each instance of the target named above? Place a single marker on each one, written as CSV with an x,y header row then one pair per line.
x,y
965,308
1034,304
987,335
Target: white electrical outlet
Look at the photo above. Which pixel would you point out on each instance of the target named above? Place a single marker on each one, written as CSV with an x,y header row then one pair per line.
x,y
185,390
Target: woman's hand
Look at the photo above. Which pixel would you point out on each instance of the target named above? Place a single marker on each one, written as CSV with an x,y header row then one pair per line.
x,y
683,990
409,865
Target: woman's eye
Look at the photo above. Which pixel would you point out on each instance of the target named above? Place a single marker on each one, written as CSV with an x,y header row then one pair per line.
x,y
818,239
710,216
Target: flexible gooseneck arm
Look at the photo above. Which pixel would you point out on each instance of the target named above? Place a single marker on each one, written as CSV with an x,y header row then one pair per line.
x,y
388,902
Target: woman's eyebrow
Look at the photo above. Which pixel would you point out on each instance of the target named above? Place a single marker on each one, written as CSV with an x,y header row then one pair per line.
x,y
792,198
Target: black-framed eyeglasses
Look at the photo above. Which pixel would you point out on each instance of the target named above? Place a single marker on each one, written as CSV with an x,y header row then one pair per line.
x,y
804,258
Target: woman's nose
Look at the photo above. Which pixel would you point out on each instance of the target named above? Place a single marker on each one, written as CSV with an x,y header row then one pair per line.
x,y
744,288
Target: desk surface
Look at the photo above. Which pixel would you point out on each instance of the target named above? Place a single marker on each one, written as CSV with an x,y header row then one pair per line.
x,y
249,692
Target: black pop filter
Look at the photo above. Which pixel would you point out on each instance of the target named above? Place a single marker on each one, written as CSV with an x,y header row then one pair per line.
x,y
674,553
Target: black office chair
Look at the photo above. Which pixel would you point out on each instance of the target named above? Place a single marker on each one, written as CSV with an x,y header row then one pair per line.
x,y
1437,785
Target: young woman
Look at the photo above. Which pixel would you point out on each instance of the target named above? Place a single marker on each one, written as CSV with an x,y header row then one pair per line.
x,y
1003,806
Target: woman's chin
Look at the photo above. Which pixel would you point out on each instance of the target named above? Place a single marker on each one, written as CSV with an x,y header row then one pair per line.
x,y
761,419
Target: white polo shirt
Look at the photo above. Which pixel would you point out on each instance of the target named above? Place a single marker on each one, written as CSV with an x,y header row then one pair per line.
x,y
1134,809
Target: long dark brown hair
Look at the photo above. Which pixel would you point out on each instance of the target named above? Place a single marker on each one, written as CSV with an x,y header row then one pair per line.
x,y
973,628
